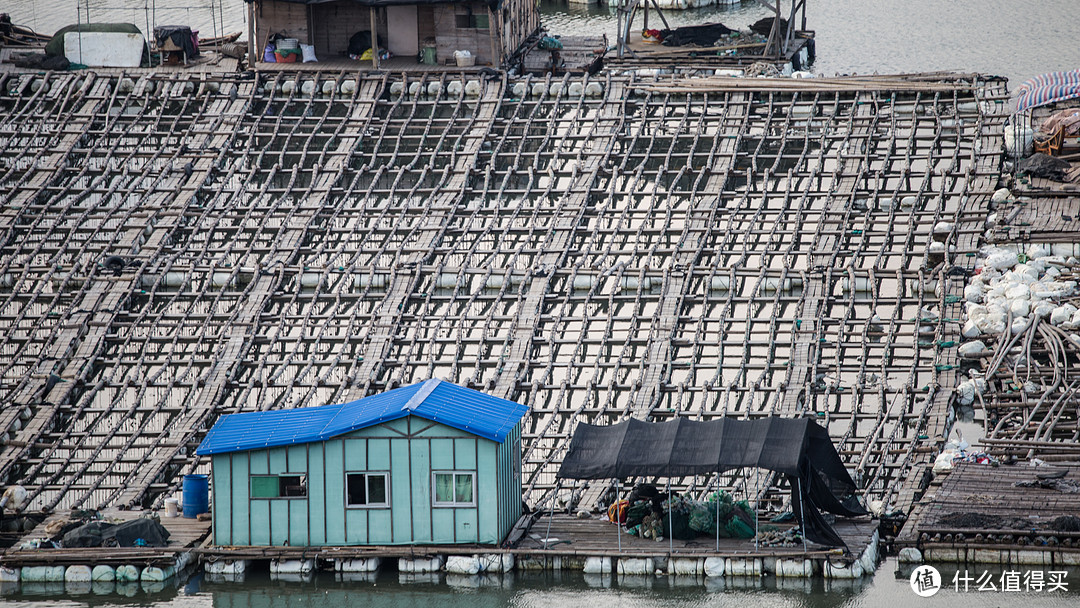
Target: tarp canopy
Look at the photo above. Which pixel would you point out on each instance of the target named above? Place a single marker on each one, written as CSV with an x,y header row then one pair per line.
x,y
55,47
795,447
1047,89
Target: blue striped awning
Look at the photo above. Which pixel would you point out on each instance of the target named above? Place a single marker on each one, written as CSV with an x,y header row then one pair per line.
x,y
443,402
1048,88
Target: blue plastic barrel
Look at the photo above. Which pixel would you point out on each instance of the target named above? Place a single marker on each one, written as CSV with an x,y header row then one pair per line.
x,y
196,495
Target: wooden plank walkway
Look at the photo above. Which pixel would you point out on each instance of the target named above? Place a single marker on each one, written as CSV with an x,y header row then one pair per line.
x,y
184,536
985,506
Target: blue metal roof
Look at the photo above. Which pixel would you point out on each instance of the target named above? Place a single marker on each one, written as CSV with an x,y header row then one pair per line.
x,y
443,402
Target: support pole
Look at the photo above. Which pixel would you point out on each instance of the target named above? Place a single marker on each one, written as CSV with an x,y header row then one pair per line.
x,y
717,479
551,514
618,526
251,35
374,40
802,517
618,28
670,526
757,503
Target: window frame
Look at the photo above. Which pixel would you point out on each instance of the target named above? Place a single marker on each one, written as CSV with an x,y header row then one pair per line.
x,y
279,477
453,505
367,490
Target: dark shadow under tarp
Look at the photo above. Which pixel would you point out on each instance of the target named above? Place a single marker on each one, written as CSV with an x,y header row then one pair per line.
x,y
795,447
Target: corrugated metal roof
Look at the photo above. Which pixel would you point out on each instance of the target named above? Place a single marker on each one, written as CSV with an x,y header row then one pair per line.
x,y
443,402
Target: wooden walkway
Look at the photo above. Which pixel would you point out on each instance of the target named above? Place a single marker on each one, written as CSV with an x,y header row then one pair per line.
x,y
980,507
184,536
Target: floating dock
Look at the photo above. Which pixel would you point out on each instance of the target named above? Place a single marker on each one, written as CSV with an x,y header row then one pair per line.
x,y
176,247
979,514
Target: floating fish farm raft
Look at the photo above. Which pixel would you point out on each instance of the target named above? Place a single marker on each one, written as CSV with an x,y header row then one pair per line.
x,y
177,247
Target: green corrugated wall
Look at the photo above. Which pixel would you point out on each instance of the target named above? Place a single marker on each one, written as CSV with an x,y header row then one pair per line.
x,y
409,449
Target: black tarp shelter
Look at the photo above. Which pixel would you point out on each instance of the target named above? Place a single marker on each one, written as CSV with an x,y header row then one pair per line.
x,y
795,447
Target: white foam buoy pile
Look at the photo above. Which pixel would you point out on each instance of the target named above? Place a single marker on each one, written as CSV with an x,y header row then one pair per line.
x,y
1018,284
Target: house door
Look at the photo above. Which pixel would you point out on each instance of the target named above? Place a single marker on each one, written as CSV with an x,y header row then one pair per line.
x,y
401,31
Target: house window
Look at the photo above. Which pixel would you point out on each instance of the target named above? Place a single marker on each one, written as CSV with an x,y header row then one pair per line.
x,y
454,489
367,489
279,486
469,21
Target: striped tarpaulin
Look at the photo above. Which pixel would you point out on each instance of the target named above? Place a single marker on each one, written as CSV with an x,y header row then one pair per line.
x,y
1048,88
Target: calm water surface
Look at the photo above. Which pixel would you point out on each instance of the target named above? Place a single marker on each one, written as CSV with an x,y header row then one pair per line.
x,y
1012,38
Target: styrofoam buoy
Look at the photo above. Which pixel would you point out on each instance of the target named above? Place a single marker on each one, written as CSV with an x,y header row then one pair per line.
x,y
174,279
127,573
583,282
292,566
288,87
358,564
307,87
908,202
446,280
414,89
221,279
714,566
434,88
329,87
555,89
518,90
597,565
594,89
575,89
420,565
36,84
936,247
348,87
310,280
103,572
374,281
472,88
633,283
78,573
396,88
454,88
126,85
462,564
720,284
538,89
861,284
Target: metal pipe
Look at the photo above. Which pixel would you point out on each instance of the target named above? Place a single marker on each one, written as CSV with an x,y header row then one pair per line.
x,y
757,504
670,516
618,526
717,479
551,516
802,517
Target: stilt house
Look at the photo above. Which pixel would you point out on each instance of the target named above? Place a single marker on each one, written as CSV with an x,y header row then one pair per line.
x,y
491,30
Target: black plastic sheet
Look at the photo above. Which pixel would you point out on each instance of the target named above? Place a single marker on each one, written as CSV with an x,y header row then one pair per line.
x,y
795,447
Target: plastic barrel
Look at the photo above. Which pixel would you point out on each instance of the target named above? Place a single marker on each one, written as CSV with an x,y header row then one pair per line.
x,y
196,495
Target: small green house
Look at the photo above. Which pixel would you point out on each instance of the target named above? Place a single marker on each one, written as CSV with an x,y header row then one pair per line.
x,y
430,463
